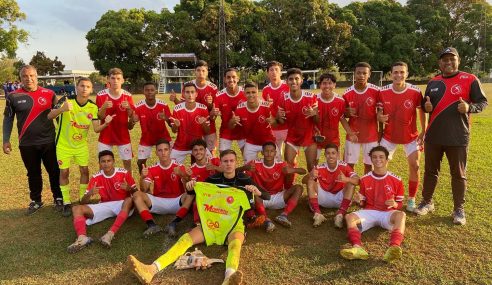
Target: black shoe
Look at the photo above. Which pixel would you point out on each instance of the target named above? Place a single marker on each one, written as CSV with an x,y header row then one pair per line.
x,y
34,207
58,204
171,229
67,210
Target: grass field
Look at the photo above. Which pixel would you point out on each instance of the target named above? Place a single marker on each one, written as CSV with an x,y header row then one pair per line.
x,y
33,248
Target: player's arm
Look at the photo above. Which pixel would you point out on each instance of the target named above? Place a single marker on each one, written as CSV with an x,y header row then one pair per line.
x,y
351,134
56,111
145,180
98,127
290,170
8,124
93,189
352,178
477,97
247,167
235,120
205,124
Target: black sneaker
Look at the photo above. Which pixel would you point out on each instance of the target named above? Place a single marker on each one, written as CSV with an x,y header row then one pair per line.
x,y
171,229
67,210
58,204
34,207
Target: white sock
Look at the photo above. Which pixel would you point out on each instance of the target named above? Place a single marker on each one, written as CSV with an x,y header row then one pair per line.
x,y
229,272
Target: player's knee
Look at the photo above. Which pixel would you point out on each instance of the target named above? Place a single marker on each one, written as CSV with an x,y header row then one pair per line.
x,y
400,215
78,210
138,196
350,218
298,189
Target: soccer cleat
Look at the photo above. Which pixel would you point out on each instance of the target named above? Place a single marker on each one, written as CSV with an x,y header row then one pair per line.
x,y
411,205
34,207
424,208
143,272
58,204
152,230
269,226
170,229
459,217
283,220
236,278
339,221
80,243
256,222
354,253
106,239
393,253
67,210
318,219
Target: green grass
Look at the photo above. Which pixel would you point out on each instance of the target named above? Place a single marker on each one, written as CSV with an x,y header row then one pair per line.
x,y
33,249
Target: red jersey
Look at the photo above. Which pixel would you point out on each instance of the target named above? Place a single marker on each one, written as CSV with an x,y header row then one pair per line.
x,y
153,127
189,129
116,133
167,184
365,105
330,112
227,104
300,129
255,126
276,94
202,93
328,177
376,190
269,178
401,108
110,186
200,173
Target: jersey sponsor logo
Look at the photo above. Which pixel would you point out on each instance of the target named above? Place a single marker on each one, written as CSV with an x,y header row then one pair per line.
x,y
370,101
21,101
77,126
456,89
212,209
213,225
408,104
464,76
335,112
42,101
434,89
77,137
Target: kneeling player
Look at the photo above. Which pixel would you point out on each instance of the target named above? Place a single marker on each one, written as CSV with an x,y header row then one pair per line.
x,y
114,186
381,196
167,196
331,185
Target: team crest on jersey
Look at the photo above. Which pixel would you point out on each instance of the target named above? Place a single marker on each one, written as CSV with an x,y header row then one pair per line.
x,y
89,116
173,176
230,200
197,119
117,185
276,175
158,117
370,101
261,119
305,110
408,104
122,108
456,89
334,112
388,190
42,101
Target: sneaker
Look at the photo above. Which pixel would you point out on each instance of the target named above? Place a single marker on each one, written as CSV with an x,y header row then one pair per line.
x,y
34,207
354,253
269,226
318,219
80,243
338,221
411,205
67,210
283,220
236,278
393,253
459,217
58,204
152,230
424,208
256,222
143,272
106,239
170,229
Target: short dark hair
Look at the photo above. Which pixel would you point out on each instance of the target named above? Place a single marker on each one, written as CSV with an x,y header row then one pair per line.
x,y
294,70
274,63
229,70
226,152
162,141
200,142
104,153
250,84
189,84
328,75
363,64
83,79
150,83
331,145
399,63
201,63
115,71
379,148
267,144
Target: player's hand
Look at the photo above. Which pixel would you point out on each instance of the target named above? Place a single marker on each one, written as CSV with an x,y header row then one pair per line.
x,y
428,105
312,111
215,112
175,122
281,113
357,198
351,110
190,185
173,97
269,100
314,174
463,107
108,104
188,171
7,148
203,121
95,189
125,104
210,166
352,136
109,118
420,138
145,171
271,120
162,115
236,119
253,190
382,118
124,186
391,203
67,106
209,99
342,178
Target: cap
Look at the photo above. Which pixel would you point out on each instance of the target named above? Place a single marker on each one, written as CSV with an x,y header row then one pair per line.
x,y
449,50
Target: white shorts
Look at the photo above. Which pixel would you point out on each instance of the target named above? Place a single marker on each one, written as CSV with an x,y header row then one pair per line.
x,y
329,200
105,210
179,155
125,150
372,218
144,151
276,201
164,206
280,136
391,147
251,151
297,148
227,144
352,152
211,140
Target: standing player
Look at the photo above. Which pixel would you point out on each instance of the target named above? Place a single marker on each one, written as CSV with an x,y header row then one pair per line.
x,y
153,115
114,186
273,93
381,197
224,105
399,101
75,116
299,109
167,196
331,185
360,102
254,119
119,102
191,121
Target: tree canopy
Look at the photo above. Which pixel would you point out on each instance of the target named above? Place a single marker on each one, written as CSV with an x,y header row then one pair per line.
x,y
10,34
46,65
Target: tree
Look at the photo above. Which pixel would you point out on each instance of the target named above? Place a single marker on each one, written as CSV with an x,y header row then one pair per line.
x,y
46,65
10,34
7,70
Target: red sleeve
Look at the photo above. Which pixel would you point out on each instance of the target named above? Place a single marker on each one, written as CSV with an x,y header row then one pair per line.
x,y
99,101
92,183
129,179
130,101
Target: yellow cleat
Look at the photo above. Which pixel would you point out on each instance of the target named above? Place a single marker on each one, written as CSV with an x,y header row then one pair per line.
x,y
354,253
143,272
393,253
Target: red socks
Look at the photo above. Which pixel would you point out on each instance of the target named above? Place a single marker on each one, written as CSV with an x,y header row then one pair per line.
x,y
413,186
146,215
314,205
260,208
120,219
79,225
396,237
354,236
182,212
291,205
344,206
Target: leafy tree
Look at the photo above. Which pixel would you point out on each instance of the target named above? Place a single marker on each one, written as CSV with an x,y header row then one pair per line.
x,y
7,70
46,65
10,34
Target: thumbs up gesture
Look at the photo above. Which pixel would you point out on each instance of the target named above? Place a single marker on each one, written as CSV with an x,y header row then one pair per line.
x,y
125,104
428,105
236,119
463,107
145,171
